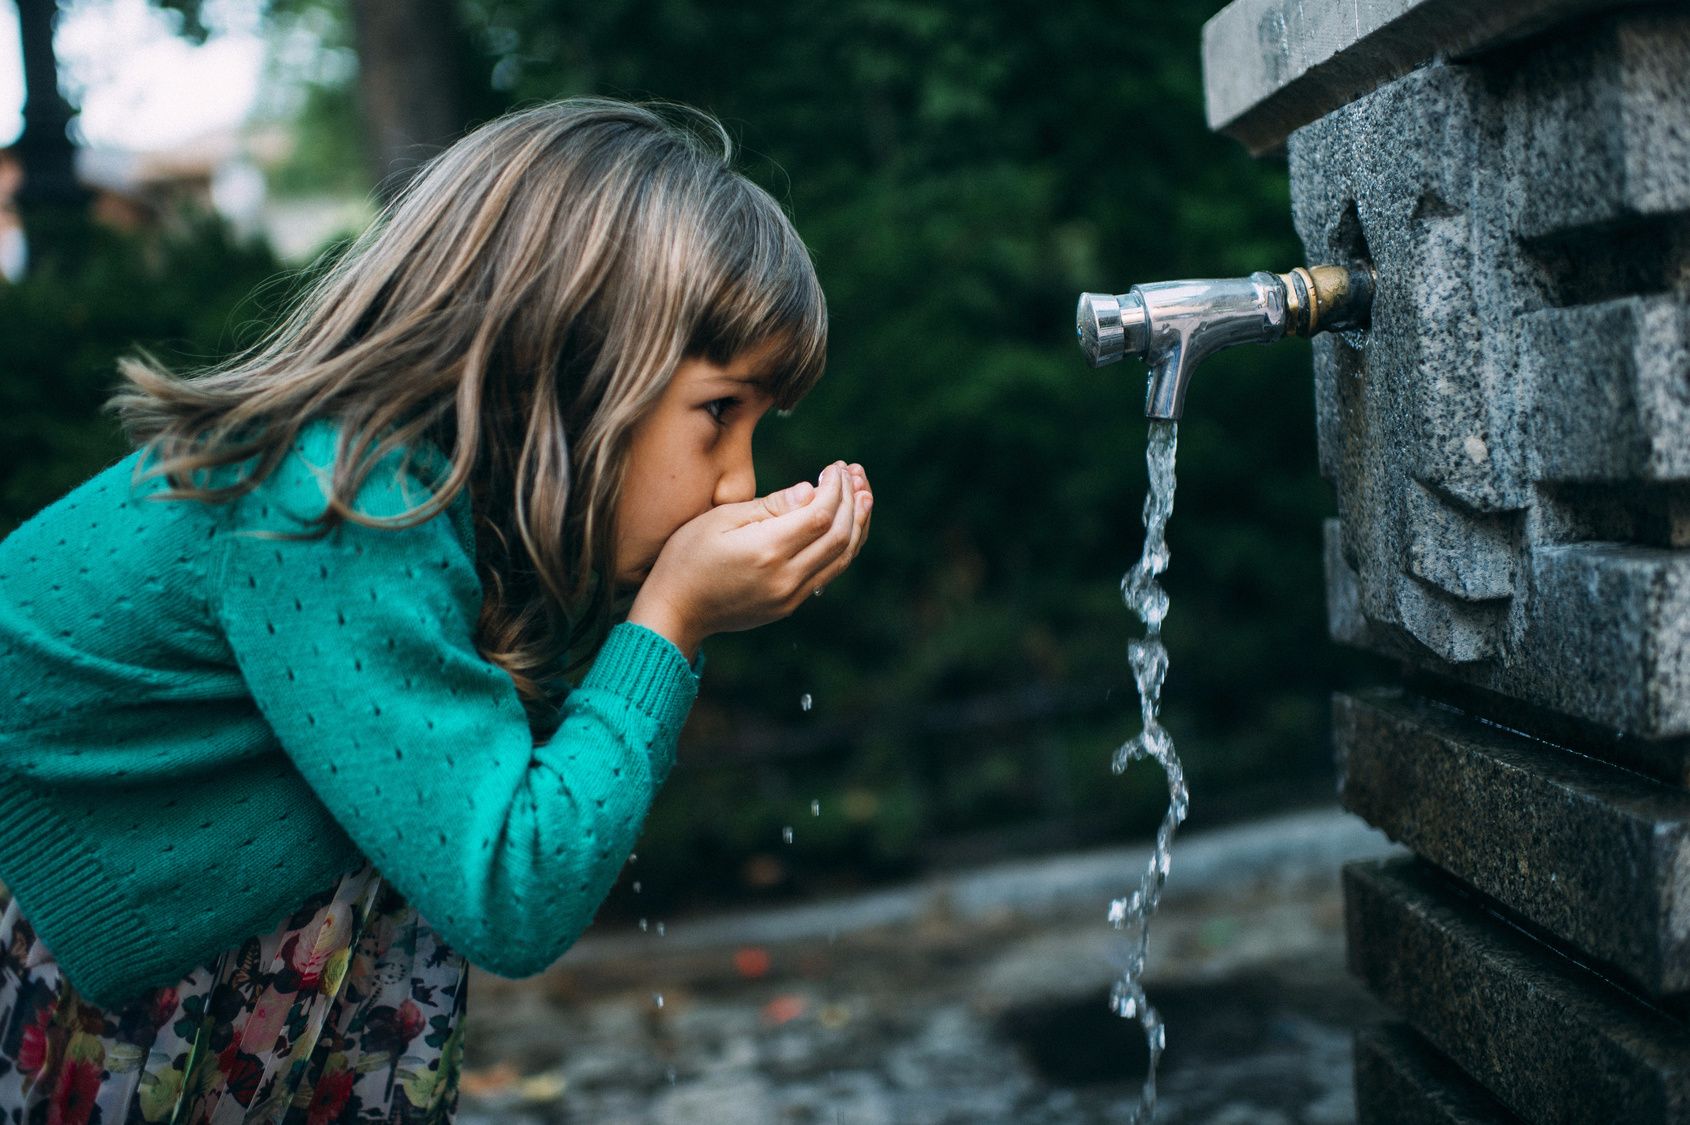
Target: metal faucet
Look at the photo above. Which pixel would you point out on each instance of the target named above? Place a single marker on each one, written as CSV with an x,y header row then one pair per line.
x,y
1176,325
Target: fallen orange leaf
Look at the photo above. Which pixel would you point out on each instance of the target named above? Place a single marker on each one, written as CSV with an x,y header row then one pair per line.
x,y
751,962
783,1009
488,1080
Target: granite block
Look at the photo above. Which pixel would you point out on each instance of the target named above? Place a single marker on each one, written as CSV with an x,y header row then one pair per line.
x,y
1551,1040
1599,124
1605,636
1666,760
1400,1080
1609,392
1592,853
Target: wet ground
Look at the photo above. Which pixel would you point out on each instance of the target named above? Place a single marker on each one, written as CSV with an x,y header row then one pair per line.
x,y
979,997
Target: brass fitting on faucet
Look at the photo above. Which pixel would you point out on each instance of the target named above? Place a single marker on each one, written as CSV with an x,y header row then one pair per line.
x,y
1175,325
1327,298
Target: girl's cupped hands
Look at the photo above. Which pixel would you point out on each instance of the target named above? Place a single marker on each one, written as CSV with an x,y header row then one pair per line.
x,y
739,566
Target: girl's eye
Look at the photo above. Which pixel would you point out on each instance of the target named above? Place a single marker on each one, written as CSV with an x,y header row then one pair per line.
x,y
720,408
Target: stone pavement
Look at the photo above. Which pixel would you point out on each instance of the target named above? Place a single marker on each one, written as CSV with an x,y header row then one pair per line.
x,y
978,997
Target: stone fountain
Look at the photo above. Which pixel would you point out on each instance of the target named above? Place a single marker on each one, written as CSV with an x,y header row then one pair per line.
x,y
1510,449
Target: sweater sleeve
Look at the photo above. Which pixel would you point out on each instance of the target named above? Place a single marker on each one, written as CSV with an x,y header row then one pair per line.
x,y
358,649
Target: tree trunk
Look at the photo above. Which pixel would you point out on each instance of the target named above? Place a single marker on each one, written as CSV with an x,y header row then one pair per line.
x,y
410,84
45,148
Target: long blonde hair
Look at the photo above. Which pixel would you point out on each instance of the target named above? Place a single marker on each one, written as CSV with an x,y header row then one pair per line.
x,y
521,304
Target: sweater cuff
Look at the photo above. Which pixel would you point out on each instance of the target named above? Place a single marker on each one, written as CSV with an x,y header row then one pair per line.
x,y
647,670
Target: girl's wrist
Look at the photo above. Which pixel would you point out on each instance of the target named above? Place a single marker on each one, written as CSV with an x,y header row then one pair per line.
x,y
651,614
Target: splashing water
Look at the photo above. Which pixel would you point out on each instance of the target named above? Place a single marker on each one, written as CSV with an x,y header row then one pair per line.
x,y
1145,596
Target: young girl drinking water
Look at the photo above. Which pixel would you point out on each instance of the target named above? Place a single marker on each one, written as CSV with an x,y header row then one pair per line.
x,y
286,736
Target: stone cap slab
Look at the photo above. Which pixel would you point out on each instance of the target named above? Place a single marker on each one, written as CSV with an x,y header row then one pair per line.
x,y
1402,1081
1272,66
1550,1039
1594,854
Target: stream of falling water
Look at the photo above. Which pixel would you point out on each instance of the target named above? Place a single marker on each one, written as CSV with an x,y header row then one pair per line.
x,y
1145,596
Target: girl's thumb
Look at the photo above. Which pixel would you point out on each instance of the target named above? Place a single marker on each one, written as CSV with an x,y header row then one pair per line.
x,y
789,499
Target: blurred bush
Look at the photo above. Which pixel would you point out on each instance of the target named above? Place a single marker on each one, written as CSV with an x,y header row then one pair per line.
x,y
961,173
187,293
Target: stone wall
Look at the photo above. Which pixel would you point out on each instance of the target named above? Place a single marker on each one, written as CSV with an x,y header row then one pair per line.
x,y
1510,449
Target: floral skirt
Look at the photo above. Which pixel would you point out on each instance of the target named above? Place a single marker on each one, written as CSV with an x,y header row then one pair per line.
x,y
351,1010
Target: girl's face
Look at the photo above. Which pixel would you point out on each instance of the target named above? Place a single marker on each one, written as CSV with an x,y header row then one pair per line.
x,y
691,453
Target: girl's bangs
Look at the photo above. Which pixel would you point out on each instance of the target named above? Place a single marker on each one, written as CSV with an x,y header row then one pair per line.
x,y
768,300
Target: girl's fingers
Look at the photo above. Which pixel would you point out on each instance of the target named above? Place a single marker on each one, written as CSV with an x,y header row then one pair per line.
x,y
793,530
864,499
862,506
821,536
859,523
830,570
836,539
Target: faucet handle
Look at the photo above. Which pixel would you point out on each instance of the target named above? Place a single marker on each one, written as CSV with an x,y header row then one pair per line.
x,y
1110,326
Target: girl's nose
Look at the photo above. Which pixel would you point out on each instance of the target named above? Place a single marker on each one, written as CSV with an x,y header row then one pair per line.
x,y
738,482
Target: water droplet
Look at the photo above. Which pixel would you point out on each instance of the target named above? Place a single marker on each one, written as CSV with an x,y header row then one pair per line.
x,y
815,808
636,886
806,701
643,925
786,834
670,1073
657,999
632,856
1118,913
662,930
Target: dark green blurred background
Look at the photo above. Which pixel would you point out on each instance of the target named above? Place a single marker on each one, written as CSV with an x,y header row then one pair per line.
x,y
961,172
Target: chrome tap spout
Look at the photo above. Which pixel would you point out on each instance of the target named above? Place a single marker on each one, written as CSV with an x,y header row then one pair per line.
x,y
1175,325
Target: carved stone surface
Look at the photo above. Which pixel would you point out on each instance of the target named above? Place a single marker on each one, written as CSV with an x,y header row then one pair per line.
x,y
1402,1080
1552,1041
1510,442
1592,853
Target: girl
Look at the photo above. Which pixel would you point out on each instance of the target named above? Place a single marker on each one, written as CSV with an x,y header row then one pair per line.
x,y
285,734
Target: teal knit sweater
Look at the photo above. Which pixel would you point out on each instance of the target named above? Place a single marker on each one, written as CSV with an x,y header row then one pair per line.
x,y
201,727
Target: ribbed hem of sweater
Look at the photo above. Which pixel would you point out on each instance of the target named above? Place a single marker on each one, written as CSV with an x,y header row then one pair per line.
x,y
646,669
106,958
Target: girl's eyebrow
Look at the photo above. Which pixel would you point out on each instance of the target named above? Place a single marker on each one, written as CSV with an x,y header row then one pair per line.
x,y
759,381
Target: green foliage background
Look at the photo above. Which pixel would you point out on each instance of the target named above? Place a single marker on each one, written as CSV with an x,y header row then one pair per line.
x,y
961,172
